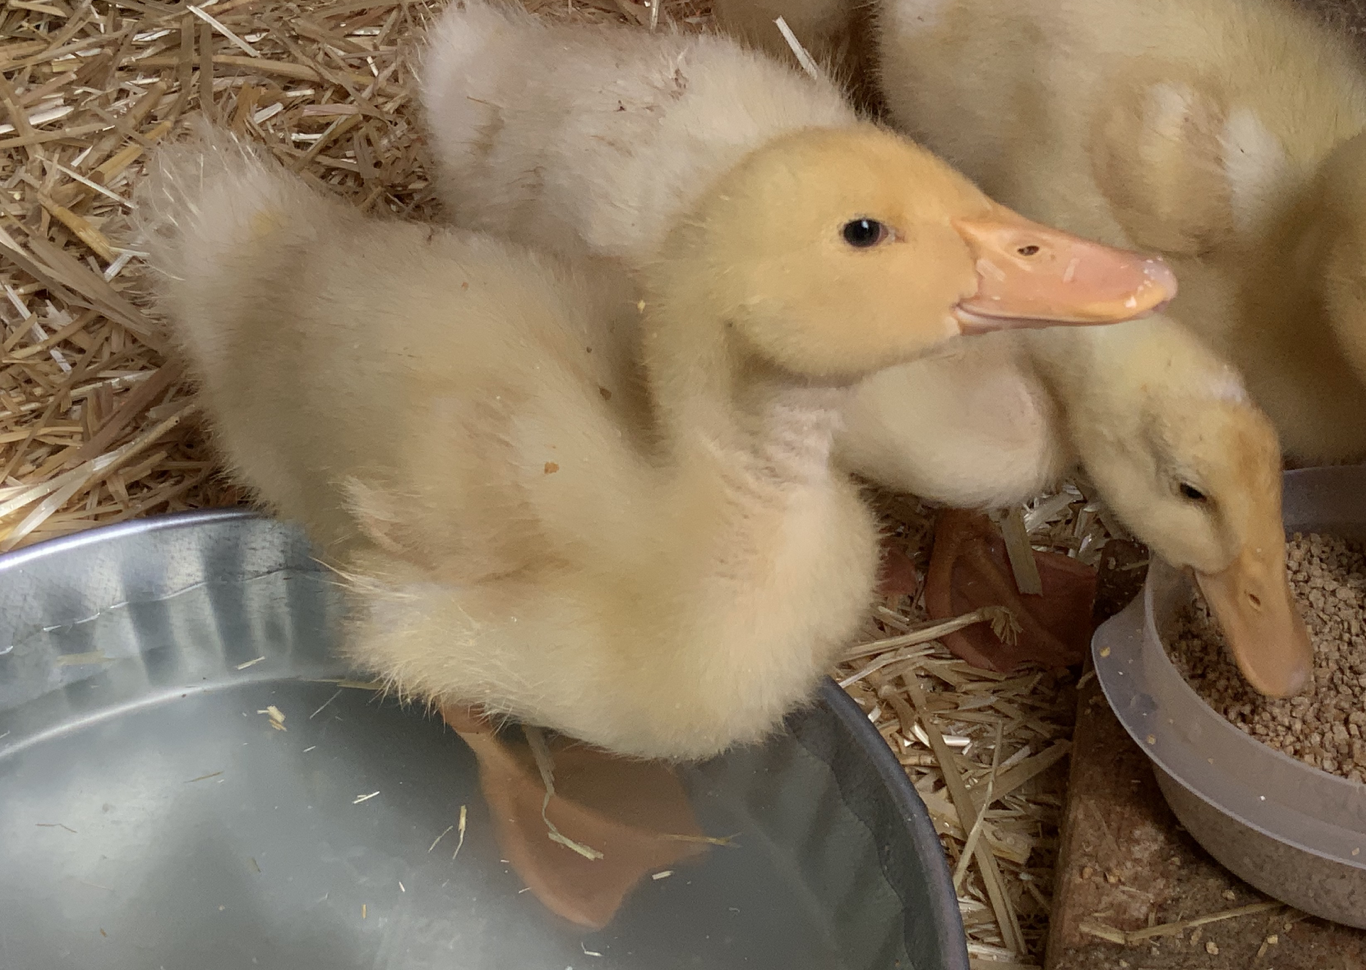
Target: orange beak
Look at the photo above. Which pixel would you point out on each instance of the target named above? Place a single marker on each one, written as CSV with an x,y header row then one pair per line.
x,y
1252,601
1029,275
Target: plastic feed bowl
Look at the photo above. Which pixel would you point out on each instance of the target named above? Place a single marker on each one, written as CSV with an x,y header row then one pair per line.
x,y
1294,832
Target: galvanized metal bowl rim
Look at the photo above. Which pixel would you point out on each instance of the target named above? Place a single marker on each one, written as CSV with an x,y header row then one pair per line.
x,y
946,918
110,533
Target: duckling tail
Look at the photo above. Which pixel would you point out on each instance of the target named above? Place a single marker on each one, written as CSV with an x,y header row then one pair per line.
x,y
210,213
461,64
206,191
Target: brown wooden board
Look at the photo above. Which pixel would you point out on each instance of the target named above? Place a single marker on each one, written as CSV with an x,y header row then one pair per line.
x,y
1125,864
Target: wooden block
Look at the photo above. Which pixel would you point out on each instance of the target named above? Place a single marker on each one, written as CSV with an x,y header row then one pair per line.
x,y
1126,864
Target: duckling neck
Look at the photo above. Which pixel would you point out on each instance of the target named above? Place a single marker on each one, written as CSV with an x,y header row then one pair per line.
x,y
712,400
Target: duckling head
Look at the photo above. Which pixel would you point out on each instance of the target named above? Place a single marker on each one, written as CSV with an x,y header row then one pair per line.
x,y
1193,467
836,252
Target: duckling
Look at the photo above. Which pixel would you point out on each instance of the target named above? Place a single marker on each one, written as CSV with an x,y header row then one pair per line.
x,y
424,400
596,150
1162,427
983,425
1170,437
590,141
1227,140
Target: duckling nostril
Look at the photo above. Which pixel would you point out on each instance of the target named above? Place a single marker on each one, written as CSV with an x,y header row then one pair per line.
x,y
1029,250
1255,600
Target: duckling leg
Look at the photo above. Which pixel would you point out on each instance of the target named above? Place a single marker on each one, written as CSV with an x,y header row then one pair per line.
x,y
969,569
636,814
899,577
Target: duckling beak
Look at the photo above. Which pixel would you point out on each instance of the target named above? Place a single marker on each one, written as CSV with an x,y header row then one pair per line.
x,y
1029,275
1253,603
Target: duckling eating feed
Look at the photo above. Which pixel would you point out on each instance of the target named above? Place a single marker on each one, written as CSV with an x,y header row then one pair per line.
x,y
1163,428
662,575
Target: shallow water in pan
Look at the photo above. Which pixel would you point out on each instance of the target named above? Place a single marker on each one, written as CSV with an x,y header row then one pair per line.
x,y
152,817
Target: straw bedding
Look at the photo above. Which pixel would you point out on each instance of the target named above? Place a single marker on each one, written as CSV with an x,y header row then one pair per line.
x,y
96,426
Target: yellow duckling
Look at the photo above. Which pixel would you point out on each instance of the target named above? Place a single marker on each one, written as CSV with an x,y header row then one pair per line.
x,y
1163,428
662,575
1227,140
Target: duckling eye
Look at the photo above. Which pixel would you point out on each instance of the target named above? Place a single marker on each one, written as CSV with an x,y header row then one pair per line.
x,y
864,233
1192,493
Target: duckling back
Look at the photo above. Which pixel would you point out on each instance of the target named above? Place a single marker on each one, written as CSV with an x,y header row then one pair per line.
x,y
587,139
1165,124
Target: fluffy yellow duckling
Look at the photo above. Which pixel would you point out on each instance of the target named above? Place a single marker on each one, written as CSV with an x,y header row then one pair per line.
x,y
662,580
1205,482
987,425
1162,427
1219,132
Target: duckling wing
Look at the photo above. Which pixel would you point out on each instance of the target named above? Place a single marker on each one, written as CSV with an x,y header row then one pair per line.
x,y
436,367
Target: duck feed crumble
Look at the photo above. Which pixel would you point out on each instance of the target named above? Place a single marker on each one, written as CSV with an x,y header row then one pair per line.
x,y
1325,725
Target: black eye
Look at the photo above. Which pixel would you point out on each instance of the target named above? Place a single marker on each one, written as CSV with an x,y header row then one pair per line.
x,y
1192,493
864,233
